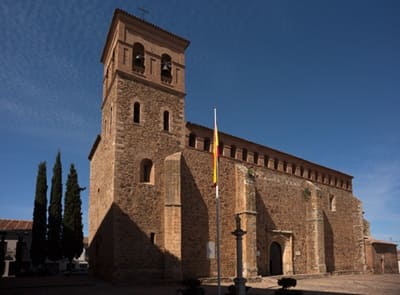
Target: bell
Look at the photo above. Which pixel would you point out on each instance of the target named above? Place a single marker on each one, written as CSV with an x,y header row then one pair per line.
x,y
166,67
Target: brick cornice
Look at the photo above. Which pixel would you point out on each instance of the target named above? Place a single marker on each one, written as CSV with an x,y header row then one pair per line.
x,y
150,83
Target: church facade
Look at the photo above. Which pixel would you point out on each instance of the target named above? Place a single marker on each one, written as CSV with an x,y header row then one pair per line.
x,y
152,202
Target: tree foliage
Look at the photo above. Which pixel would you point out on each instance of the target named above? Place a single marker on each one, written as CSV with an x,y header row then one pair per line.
x,y
55,212
38,245
72,237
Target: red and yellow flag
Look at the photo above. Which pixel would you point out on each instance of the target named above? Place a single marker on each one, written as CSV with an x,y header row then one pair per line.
x,y
215,150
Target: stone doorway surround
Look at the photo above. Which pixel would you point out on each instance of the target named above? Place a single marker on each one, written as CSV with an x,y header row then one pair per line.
x,y
285,239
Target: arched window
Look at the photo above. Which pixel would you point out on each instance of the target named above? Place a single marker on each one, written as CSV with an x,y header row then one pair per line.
x,y
255,158
332,203
301,171
244,155
192,140
221,148
166,67
293,169
207,144
136,112
146,171
166,121
284,166
233,151
138,57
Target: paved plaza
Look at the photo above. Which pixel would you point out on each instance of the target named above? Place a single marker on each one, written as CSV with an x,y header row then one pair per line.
x,y
85,285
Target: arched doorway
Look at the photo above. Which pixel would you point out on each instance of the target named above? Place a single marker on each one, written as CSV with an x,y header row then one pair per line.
x,y
275,259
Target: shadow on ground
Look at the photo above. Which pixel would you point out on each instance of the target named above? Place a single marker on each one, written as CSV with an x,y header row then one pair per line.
x,y
87,285
273,291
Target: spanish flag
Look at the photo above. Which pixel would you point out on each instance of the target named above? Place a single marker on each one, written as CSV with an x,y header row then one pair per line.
x,y
215,150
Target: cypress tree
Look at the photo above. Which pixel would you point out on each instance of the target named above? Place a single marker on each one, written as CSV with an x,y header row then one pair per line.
x,y
55,217
72,238
38,245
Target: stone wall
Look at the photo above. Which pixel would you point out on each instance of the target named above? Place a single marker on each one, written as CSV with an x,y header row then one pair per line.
x,y
381,256
199,216
152,203
283,205
101,194
318,225
139,223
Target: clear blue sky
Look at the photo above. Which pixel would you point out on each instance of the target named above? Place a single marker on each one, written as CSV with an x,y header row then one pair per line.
x,y
317,79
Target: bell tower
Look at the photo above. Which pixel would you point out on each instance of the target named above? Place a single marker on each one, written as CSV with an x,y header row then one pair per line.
x,y
143,123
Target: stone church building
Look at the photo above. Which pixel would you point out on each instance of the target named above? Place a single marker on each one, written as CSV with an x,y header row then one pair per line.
x,y
152,202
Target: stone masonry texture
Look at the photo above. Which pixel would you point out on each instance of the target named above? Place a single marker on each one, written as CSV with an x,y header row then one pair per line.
x,y
152,202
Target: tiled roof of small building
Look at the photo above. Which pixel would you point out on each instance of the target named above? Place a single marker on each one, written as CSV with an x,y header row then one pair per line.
x,y
374,241
13,224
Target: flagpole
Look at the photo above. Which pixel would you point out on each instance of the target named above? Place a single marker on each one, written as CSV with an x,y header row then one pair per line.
x,y
217,204
218,241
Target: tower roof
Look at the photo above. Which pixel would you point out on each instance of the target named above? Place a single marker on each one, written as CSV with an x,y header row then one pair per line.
x,y
120,14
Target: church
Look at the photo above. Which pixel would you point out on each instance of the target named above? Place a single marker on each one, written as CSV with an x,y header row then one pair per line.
x,y
152,201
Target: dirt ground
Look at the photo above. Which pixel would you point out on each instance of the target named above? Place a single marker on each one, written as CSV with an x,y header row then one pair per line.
x,y
85,285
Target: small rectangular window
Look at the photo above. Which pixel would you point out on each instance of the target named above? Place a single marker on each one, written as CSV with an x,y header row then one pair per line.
x,y
136,112
192,140
266,159
255,158
233,151
221,148
166,121
207,144
244,155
